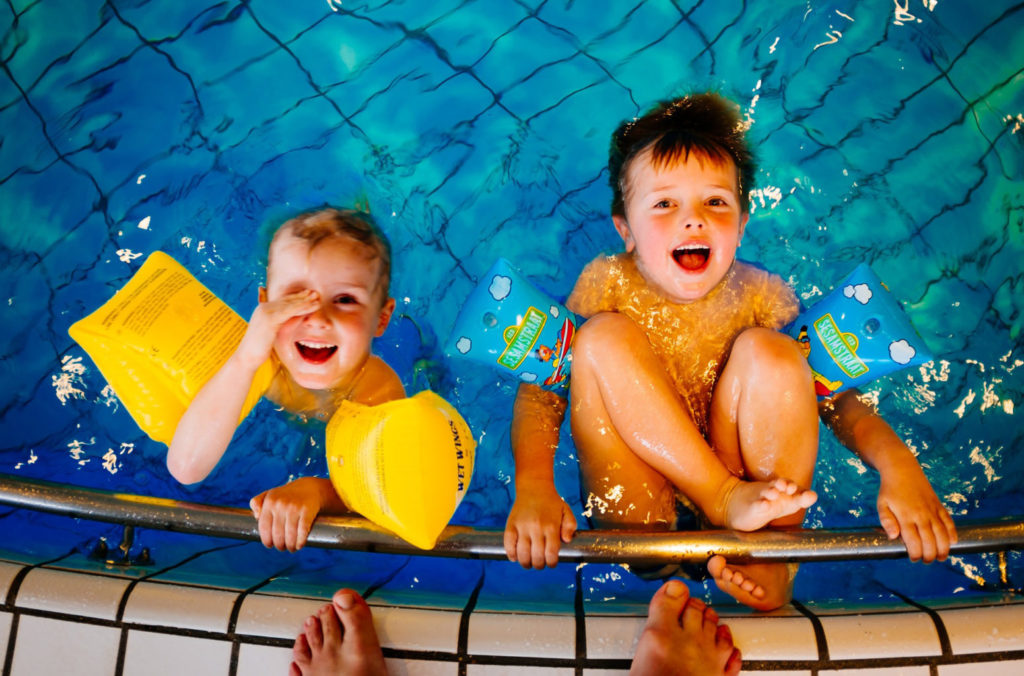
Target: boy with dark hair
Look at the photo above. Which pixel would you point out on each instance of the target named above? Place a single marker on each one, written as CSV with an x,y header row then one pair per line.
x,y
683,389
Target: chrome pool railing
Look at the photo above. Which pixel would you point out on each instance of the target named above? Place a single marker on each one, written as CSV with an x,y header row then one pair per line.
x,y
606,546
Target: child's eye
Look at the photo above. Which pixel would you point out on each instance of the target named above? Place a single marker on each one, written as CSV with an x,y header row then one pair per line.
x,y
717,202
346,300
663,204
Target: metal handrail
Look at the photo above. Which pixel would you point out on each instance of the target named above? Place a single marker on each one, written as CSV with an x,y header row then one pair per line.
x,y
605,546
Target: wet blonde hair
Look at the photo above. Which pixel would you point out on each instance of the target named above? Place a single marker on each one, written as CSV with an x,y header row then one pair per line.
x,y
317,225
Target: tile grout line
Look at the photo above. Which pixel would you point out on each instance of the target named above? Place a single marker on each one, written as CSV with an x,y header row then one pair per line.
x,y
373,587
9,603
462,646
122,647
12,636
236,609
940,627
819,634
581,624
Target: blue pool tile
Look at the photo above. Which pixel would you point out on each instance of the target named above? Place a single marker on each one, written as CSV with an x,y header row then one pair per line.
x,y
509,586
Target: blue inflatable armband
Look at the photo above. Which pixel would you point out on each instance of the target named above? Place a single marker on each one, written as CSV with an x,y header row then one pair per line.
x,y
510,324
857,333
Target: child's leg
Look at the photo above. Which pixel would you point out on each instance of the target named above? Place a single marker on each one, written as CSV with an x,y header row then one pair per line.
x,y
764,424
638,444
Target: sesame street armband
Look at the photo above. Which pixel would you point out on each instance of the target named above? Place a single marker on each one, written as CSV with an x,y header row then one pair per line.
x,y
857,333
511,325
405,464
158,341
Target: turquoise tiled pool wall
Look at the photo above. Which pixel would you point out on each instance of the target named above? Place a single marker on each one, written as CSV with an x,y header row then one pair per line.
x,y
887,131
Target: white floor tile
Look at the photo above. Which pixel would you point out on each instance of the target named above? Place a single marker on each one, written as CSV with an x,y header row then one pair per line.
x,y
72,593
47,646
981,630
416,629
879,671
275,616
7,573
263,660
152,654
397,667
522,635
170,605
774,638
611,637
892,635
1005,668
497,670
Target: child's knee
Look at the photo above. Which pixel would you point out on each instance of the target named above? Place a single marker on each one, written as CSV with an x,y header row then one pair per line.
x,y
602,334
777,352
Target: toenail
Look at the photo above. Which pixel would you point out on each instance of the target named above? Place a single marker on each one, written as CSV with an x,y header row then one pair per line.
x,y
346,600
674,589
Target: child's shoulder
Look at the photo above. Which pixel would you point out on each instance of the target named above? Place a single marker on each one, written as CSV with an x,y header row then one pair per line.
x,y
754,273
767,294
378,384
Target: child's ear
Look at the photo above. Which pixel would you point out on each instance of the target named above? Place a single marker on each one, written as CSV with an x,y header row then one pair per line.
x,y
743,227
263,294
384,317
622,227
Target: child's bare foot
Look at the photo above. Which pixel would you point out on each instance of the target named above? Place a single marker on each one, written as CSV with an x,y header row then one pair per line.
x,y
750,505
683,638
762,586
328,648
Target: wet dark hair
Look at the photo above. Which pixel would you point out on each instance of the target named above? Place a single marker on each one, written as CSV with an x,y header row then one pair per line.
x,y
708,124
320,224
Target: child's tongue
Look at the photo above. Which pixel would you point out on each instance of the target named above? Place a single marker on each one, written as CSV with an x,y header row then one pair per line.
x,y
315,354
692,258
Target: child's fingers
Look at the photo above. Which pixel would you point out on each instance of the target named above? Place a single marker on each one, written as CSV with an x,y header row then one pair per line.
x,y
511,539
552,543
889,523
947,522
256,504
912,540
538,552
929,542
265,526
298,531
568,525
294,304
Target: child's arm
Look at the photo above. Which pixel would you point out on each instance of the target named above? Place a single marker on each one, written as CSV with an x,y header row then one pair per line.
x,y
540,520
907,503
286,513
209,422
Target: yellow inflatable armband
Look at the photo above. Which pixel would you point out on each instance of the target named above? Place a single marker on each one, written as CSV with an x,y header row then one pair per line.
x,y
404,464
158,341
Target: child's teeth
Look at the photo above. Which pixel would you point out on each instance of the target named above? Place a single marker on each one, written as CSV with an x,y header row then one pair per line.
x,y
314,346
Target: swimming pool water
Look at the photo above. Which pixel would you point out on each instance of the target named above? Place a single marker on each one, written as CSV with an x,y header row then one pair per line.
x,y
889,132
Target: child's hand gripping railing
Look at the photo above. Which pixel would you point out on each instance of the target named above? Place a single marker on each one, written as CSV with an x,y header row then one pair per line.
x,y
356,533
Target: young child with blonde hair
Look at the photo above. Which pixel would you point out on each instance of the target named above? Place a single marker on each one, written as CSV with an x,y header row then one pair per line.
x,y
326,298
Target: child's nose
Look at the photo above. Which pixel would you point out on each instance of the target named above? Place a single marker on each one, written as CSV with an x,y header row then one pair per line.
x,y
317,317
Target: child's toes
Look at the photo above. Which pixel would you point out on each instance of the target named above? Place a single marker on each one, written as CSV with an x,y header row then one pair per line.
x,y
301,653
314,632
723,636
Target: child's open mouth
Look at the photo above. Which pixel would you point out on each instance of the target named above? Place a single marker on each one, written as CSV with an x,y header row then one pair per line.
x,y
315,353
692,257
